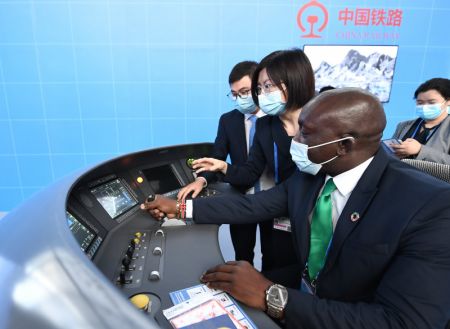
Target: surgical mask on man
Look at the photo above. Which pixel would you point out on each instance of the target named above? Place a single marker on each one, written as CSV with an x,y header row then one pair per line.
x,y
272,103
245,105
299,154
429,111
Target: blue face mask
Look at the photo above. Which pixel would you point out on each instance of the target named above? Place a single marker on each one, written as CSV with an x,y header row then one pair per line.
x,y
246,105
299,154
429,112
272,103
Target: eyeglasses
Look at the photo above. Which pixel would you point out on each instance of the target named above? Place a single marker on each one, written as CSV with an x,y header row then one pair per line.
x,y
266,88
242,94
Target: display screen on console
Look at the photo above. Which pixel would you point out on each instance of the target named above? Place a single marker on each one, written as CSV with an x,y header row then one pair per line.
x,y
114,197
82,234
162,179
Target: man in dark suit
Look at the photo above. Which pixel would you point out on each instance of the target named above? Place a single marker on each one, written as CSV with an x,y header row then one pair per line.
x,y
387,264
234,138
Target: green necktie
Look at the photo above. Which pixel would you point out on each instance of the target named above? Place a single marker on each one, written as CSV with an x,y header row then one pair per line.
x,y
321,230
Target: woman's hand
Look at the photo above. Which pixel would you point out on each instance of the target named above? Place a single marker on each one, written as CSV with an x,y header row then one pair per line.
x,y
195,187
209,164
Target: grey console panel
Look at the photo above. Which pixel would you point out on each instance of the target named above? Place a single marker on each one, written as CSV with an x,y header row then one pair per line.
x,y
68,259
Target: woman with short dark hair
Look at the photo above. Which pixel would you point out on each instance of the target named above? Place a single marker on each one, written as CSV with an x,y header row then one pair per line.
x,y
282,84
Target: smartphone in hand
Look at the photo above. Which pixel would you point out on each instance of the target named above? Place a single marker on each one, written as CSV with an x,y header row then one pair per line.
x,y
391,141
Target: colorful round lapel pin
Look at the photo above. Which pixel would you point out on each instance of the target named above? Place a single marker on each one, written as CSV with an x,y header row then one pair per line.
x,y
354,217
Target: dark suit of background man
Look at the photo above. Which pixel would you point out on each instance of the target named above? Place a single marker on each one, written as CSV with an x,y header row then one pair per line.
x,y
234,138
388,263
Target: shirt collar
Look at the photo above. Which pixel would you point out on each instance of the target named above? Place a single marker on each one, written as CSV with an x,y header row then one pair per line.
x,y
345,182
258,114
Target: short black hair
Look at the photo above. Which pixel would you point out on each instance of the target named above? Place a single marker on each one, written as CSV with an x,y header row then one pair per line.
x,y
441,85
326,88
292,68
241,70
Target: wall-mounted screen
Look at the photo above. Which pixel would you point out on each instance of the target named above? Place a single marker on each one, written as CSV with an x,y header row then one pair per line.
x,y
82,234
162,179
367,67
114,197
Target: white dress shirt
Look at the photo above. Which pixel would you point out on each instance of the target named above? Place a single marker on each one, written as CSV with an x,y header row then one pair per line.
x,y
345,183
266,181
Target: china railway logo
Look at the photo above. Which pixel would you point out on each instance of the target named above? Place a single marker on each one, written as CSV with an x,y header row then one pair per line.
x,y
313,18
315,15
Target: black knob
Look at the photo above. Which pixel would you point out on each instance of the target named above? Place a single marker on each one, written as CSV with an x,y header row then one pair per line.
x,y
122,276
130,251
126,261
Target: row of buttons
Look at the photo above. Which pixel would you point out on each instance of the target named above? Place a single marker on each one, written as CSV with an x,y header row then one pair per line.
x,y
135,258
94,247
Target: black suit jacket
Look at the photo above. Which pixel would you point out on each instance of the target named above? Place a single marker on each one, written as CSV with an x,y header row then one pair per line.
x,y
389,269
269,129
230,140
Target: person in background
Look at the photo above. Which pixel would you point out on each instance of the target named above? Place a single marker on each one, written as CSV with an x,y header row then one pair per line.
x,y
427,137
234,138
282,84
371,232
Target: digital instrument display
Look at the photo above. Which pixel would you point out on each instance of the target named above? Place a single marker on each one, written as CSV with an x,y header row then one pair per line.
x,y
162,179
114,197
82,234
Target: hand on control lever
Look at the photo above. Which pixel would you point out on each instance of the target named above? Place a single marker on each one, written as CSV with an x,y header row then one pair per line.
x,y
160,207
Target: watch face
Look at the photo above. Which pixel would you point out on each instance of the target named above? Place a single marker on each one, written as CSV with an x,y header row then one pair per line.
x,y
277,296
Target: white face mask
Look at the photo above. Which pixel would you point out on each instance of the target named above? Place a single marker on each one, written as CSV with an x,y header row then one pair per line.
x,y
272,103
299,154
245,105
429,111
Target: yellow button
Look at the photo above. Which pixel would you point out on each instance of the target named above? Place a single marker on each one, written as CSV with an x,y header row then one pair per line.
x,y
138,234
139,179
141,301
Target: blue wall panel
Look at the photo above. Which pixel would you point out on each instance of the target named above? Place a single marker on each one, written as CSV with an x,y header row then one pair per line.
x,y
83,81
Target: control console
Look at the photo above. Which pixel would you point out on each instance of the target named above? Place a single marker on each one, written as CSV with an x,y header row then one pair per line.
x,y
96,253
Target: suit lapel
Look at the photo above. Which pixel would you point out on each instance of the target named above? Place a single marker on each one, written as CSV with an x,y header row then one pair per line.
x,y
240,135
305,202
356,206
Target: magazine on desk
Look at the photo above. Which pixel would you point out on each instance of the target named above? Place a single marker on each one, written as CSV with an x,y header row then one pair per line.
x,y
196,297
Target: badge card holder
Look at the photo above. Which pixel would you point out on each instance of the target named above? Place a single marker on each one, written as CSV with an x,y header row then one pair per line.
x,y
282,224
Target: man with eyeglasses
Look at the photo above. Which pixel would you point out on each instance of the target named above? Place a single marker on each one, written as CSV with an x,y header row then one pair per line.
x,y
234,138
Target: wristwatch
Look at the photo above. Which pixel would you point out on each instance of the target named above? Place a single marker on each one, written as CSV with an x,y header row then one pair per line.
x,y
276,300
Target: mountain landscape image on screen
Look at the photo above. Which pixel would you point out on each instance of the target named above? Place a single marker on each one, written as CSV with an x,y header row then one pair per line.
x,y
373,73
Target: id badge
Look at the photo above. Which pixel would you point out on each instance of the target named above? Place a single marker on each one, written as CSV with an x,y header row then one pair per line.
x,y
282,224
